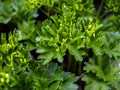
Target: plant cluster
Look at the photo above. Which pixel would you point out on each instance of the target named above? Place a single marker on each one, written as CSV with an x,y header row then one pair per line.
x,y
59,45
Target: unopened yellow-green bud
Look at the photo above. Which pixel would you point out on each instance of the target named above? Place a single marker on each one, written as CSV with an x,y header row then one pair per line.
x,y
7,75
2,80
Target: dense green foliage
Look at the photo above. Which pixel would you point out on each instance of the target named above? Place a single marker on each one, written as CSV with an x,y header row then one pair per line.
x,y
17,71
71,35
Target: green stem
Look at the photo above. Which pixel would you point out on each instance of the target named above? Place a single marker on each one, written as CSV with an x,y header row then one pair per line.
x,y
47,14
81,75
100,7
49,8
104,14
74,64
79,68
69,62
